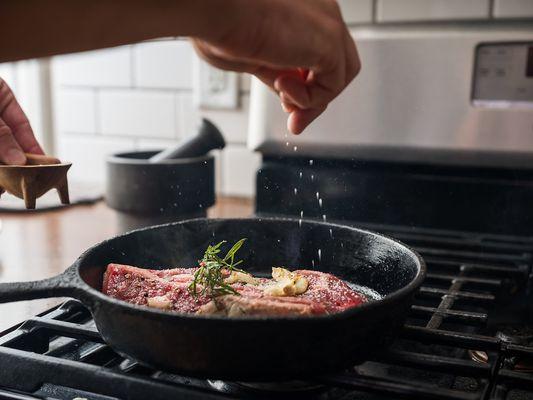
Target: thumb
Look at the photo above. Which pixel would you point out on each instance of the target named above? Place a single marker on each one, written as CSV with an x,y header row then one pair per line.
x,y
10,151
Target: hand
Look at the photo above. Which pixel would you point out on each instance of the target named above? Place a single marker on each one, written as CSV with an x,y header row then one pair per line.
x,y
16,135
301,49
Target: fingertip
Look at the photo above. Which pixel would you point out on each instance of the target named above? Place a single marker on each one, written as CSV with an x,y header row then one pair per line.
x,y
293,124
299,120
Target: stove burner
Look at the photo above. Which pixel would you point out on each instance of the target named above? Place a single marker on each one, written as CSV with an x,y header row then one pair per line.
x,y
292,389
521,335
479,356
61,347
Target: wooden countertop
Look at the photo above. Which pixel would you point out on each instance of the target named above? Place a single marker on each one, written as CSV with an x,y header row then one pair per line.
x,y
37,245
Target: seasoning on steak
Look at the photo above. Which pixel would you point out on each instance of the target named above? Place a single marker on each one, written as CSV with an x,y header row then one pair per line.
x,y
169,289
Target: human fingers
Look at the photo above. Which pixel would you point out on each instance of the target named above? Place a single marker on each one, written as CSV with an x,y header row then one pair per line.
x,y
219,60
300,119
15,118
318,89
10,151
267,75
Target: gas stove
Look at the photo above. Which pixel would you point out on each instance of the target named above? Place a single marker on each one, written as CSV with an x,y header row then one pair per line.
x,y
431,145
469,336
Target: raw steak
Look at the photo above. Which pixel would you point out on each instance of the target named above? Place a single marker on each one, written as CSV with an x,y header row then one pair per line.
x,y
168,289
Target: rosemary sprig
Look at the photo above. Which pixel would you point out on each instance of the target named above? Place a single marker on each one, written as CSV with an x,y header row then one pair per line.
x,y
210,274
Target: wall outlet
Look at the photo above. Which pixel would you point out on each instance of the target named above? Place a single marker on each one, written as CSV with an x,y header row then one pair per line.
x,y
214,88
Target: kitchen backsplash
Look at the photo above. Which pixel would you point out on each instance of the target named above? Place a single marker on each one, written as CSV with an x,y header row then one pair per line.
x,y
140,96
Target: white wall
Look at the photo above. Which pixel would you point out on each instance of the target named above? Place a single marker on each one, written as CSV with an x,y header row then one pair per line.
x,y
140,96
25,78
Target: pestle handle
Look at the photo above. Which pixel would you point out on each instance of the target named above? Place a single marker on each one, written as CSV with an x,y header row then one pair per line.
x,y
208,138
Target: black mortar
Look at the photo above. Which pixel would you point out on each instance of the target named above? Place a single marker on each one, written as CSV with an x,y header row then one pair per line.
x,y
147,194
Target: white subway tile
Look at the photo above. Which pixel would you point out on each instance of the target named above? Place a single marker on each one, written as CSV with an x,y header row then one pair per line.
x,y
75,110
513,8
425,10
88,155
163,64
110,67
239,168
144,113
232,123
356,11
7,73
156,144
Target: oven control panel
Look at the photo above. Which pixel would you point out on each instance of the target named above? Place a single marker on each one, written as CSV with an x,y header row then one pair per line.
x,y
503,74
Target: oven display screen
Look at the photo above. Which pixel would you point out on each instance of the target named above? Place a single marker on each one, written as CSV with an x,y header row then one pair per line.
x,y
503,74
529,68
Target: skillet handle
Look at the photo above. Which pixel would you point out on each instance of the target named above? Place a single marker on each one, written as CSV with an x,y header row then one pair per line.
x,y
63,285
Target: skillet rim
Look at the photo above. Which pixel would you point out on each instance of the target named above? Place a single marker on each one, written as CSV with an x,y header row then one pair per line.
x,y
352,312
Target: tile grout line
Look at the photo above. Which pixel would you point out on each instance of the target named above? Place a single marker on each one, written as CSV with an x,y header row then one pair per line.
x,y
178,116
97,112
133,70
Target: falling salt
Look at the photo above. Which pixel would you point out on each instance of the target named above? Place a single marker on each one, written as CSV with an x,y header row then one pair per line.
x,y
295,148
311,162
324,217
320,203
300,222
312,177
319,255
331,233
301,174
313,263
295,191
317,195
301,214
287,144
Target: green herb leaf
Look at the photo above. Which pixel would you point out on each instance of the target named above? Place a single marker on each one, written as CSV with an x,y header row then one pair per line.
x,y
210,274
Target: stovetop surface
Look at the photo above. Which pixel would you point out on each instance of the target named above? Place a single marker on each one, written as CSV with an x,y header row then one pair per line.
x,y
469,336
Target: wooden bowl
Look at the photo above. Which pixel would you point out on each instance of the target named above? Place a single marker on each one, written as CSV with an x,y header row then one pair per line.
x,y
38,176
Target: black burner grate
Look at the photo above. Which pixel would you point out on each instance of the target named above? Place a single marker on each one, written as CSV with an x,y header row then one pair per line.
x,y
447,349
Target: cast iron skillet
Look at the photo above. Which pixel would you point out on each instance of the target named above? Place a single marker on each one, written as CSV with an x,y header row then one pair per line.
x,y
254,348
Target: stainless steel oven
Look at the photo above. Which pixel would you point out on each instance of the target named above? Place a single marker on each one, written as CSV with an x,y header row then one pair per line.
x,y
454,94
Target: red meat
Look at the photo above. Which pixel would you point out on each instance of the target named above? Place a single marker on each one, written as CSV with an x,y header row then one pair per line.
x,y
168,289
